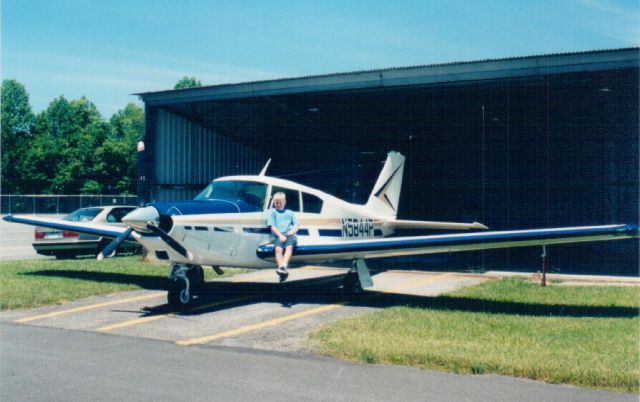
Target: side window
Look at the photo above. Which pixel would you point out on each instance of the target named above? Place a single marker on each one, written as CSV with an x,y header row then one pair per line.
x,y
293,197
116,214
311,203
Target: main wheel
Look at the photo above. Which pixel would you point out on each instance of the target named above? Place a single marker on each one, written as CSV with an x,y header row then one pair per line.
x,y
178,297
351,284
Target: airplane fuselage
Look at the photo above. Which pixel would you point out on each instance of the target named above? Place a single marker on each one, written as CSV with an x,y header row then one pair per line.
x,y
227,231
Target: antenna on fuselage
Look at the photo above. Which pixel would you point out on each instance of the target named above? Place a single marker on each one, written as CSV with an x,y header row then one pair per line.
x,y
264,169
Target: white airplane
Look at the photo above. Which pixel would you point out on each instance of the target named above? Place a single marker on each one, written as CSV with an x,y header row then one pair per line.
x,y
226,225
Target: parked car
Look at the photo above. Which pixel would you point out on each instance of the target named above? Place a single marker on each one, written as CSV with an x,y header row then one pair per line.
x,y
67,244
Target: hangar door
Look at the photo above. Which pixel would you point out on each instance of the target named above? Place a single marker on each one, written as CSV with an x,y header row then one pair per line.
x,y
187,156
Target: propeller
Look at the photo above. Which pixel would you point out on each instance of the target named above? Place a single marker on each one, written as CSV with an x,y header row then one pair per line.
x,y
170,241
109,249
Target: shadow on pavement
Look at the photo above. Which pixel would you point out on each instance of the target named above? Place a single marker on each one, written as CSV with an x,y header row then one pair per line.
x,y
219,295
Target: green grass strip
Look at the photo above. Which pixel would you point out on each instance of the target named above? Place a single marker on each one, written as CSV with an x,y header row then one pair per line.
x,y
38,282
586,336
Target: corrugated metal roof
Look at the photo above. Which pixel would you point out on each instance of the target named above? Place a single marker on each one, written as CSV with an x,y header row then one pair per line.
x,y
388,69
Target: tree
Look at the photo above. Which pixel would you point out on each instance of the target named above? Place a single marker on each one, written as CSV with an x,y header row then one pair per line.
x,y
68,148
116,165
17,123
187,82
75,130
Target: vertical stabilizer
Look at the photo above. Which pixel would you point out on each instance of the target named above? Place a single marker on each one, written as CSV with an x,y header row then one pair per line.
x,y
385,196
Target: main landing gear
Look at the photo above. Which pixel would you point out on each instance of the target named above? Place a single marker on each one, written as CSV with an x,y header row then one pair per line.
x,y
183,279
357,279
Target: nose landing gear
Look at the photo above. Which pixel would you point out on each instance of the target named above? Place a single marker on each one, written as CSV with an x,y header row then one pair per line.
x,y
183,279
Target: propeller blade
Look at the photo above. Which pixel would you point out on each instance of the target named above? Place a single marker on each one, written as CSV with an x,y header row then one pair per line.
x,y
114,244
170,241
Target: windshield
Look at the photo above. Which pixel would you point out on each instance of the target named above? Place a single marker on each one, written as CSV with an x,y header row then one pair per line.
x,y
248,191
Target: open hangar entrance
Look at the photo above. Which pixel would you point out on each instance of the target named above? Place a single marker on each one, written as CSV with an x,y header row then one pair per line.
x,y
542,141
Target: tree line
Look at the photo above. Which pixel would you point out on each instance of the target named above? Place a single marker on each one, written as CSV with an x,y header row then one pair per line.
x,y
68,148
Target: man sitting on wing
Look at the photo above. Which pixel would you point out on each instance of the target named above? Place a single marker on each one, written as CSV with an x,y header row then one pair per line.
x,y
284,226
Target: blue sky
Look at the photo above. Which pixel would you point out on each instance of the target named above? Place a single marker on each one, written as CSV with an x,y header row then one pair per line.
x,y
108,50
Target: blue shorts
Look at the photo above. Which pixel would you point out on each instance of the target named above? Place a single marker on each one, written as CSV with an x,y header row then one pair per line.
x,y
291,241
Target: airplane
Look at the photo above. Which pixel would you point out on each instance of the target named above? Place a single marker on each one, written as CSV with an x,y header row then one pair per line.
x,y
225,225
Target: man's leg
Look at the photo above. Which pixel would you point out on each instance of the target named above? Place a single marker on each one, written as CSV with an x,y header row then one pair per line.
x,y
287,256
279,257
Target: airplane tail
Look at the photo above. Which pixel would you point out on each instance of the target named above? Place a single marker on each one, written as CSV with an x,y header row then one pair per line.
x,y
385,196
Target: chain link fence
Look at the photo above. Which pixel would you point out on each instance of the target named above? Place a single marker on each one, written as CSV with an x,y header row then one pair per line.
x,y
59,204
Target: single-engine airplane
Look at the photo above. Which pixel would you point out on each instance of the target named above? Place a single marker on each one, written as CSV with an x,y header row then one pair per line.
x,y
225,225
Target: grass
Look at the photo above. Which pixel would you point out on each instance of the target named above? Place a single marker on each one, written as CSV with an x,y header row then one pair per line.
x,y
33,283
586,336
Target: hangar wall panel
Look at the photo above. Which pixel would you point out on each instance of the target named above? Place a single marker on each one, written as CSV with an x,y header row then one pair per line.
x,y
188,156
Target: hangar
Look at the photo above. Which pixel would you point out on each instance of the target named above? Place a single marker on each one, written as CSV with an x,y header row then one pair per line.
x,y
526,142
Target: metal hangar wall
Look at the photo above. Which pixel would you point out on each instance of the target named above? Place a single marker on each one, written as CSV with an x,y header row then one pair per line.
x,y
539,141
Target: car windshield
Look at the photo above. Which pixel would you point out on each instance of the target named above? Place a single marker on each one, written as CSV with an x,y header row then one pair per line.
x,y
252,193
83,215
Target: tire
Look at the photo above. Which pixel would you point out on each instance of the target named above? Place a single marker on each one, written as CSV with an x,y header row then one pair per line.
x,y
175,295
196,276
351,284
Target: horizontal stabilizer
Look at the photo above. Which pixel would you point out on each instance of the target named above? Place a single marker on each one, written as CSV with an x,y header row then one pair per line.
x,y
402,224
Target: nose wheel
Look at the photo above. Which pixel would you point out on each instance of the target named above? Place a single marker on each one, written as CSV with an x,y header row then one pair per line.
x,y
183,279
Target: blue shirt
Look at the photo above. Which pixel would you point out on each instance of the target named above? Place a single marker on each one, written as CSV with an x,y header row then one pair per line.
x,y
283,220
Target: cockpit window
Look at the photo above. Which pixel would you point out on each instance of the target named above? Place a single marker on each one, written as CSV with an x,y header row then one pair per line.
x,y
311,203
252,193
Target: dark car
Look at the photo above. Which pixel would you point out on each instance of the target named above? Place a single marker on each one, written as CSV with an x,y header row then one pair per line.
x,y
69,244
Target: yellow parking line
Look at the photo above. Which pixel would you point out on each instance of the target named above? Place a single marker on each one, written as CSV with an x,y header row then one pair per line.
x,y
133,322
86,308
280,320
261,325
144,320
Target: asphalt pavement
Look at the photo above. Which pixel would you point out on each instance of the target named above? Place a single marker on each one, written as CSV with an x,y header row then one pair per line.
x,y
48,364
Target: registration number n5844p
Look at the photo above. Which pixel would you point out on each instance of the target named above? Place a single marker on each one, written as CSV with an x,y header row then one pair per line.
x,y
357,227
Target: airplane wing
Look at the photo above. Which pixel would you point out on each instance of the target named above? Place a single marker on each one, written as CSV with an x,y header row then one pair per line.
x,y
97,229
413,245
404,224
